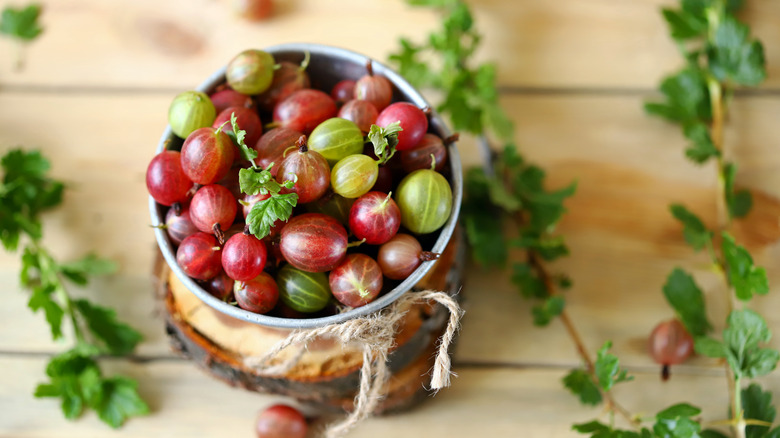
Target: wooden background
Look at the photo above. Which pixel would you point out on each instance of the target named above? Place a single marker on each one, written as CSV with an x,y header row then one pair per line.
x,y
574,73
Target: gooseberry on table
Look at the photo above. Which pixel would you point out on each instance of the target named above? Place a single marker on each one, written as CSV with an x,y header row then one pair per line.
x,y
281,421
670,344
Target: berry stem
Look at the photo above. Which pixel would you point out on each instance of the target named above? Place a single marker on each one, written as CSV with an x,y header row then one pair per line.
x,y
356,243
48,267
369,68
223,125
384,202
716,92
452,139
427,256
305,62
301,144
609,401
218,233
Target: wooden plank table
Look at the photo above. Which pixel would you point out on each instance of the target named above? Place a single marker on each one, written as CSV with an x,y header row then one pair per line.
x,y
94,98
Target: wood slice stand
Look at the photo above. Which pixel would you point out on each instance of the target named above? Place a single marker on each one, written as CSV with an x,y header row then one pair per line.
x,y
327,375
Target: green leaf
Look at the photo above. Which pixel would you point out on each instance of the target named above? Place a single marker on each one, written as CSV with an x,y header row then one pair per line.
x,y
580,383
91,265
687,300
607,368
384,140
597,429
547,246
253,182
686,97
702,148
757,405
76,379
19,164
25,192
21,23
30,274
247,153
744,276
41,298
739,202
733,56
410,66
710,347
696,234
118,401
501,197
524,277
590,427
266,212
679,410
498,121
744,333
760,362
47,390
545,208
675,422
774,433
117,337
550,308
482,221
70,375
683,24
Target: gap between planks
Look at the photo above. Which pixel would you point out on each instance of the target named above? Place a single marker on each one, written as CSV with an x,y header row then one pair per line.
x,y
140,359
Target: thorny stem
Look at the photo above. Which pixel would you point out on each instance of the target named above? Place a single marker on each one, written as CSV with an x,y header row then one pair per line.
x,y
737,413
716,133
610,403
724,223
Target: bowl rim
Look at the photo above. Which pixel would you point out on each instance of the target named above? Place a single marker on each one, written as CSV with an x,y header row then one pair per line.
x,y
445,233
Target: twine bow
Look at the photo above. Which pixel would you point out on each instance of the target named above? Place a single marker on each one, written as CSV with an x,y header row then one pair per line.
x,y
375,334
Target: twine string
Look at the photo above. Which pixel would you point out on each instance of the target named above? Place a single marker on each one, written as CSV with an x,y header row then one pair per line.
x,y
375,336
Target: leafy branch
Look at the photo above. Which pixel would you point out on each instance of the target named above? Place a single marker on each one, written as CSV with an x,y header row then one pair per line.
x,y
74,376
720,55
256,181
21,25
508,191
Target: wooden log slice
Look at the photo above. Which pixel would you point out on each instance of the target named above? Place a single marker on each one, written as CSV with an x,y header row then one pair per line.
x,y
327,374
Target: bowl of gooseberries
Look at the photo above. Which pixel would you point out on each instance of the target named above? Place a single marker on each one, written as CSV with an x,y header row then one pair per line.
x,y
303,185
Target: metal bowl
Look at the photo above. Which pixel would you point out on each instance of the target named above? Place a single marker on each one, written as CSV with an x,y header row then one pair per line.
x,y
328,65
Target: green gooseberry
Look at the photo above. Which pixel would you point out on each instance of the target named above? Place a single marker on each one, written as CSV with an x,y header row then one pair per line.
x,y
303,291
336,138
250,72
189,111
353,176
425,200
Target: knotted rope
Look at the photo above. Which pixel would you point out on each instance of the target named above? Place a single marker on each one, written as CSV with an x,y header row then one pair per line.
x,y
375,335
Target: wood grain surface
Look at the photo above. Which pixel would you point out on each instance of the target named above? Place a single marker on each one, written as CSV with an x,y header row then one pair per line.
x,y
574,74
